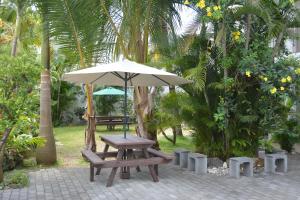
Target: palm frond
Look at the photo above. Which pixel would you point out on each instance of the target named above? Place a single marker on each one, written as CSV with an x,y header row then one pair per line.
x,y
76,25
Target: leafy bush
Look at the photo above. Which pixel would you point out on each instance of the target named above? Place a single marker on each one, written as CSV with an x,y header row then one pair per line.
x,y
63,96
266,145
230,116
19,105
288,135
15,179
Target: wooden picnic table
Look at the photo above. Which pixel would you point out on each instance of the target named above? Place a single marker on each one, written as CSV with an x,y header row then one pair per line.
x,y
126,147
132,151
112,121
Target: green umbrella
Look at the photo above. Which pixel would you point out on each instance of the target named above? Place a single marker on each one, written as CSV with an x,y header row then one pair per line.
x,y
109,91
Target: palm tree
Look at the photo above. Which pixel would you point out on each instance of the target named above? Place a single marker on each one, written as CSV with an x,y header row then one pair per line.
x,y
141,22
47,153
78,27
20,6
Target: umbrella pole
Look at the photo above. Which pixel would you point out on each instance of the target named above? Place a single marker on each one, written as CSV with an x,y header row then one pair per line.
x,y
125,105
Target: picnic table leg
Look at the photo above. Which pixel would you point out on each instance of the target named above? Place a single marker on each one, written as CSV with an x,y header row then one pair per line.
x,y
125,171
151,167
129,157
156,169
138,169
91,172
115,169
103,158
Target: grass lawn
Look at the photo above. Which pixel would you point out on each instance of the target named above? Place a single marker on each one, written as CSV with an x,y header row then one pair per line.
x,y
70,140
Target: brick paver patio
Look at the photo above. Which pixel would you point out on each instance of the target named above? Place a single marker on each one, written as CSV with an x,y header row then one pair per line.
x,y
73,183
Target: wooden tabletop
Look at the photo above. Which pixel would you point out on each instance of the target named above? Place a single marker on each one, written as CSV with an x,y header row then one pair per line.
x,y
130,142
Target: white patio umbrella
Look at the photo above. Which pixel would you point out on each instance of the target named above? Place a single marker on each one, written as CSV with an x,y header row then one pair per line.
x,y
124,73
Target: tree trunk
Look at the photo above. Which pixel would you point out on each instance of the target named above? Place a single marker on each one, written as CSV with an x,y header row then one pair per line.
x,y
248,31
58,99
1,164
277,44
144,110
90,140
226,110
2,146
47,153
177,130
169,139
17,31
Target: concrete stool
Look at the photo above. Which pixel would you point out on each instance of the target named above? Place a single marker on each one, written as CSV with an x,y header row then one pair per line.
x,y
237,162
181,157
197,162
275,161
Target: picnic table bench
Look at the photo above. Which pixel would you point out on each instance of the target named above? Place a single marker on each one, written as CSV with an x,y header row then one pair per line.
x,y
112,121
132,152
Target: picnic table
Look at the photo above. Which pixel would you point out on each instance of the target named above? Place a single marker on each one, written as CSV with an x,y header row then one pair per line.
x,y
112,121
132,151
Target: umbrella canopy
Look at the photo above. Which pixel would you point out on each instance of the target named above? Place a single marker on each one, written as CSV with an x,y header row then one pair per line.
x,y
114,74
110,91
124,73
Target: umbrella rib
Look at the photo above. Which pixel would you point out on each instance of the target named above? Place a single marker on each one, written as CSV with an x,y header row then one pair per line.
x,y
161,79
118,75
98,78
133,76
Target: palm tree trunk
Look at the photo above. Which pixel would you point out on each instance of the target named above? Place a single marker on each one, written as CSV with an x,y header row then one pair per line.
x,y
47,153
224,51
248,31
90,140
144,108
17,30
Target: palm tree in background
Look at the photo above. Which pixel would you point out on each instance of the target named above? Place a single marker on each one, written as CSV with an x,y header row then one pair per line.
x,y
78,27
135,25
19,6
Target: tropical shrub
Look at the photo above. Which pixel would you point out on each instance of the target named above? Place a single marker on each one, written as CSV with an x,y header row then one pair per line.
x,y
243,89
63,97
19,105
63,94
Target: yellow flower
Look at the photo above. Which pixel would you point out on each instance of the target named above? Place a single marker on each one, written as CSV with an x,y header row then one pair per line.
x,y
219,7
215,8
289,79
283,80
209,14
208,9
236,33
201,4
265,79
297,71
248,74
186,2
282,88
273,90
